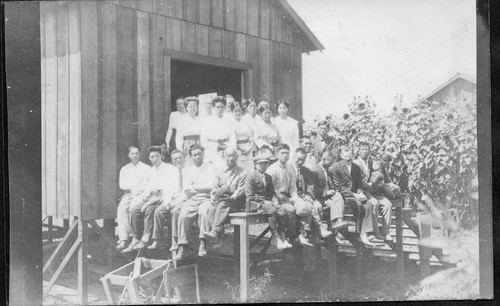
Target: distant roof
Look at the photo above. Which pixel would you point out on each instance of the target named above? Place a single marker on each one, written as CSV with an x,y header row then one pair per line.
x,y
312,43
453,79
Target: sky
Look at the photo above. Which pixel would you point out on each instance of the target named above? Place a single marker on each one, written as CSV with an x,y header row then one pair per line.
x,y
383,47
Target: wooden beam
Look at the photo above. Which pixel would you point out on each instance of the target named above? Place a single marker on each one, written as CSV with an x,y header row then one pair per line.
x,y
70,253
244,261
207,60
60,246
83,272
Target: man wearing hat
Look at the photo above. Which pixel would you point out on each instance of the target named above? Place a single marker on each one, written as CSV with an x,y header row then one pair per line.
x,y
259,190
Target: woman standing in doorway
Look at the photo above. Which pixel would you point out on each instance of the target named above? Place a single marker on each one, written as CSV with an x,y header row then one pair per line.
x,y
173,124
217,132
244,138
189,129
266,133
287,126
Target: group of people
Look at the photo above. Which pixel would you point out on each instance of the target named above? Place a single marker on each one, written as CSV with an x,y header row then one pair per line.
x,y
239,155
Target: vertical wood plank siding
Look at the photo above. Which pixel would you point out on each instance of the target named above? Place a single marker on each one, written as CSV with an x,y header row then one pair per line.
x,y
106,82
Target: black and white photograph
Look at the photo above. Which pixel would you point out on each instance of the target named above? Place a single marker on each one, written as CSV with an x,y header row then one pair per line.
x,y
247,151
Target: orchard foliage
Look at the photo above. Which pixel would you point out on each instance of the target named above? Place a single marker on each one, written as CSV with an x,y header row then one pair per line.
x,y
434,146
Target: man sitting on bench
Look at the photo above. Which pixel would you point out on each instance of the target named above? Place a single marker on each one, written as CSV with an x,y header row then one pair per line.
x,y
163,213
326,193
347,180
197,188
159,189
227,194
306,179
285,187
133,179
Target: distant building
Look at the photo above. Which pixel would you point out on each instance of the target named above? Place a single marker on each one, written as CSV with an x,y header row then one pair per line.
x,y
459,88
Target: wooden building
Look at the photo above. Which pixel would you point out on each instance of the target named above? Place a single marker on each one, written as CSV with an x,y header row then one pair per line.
x,y
458,88
111,71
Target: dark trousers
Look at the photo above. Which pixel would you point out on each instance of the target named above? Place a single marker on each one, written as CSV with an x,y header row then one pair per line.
x,y
142,223
221,212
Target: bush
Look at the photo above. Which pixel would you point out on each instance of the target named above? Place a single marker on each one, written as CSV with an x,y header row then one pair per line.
x,y
434,147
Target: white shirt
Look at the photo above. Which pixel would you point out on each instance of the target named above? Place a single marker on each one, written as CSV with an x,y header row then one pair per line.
x,y
284,178
349,166
251,121
265,133
188,126
216,128
289,131
174,120
164,177
134,177
198,177
310,160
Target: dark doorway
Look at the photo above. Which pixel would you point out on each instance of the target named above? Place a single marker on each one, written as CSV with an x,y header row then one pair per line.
x,y
190,79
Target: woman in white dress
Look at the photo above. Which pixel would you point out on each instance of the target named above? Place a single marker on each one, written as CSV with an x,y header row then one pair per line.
x,y
244,138
173,123
189,128
266,134
287,126
250,117
217,133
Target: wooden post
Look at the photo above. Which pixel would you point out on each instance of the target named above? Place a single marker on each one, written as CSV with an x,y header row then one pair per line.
x,y
399,243
359,261
244,257
424,253
236,248
49,231
109,229
317,257
83,272
332,266
65,225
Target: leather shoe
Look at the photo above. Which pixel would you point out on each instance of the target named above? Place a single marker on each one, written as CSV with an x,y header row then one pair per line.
x,y
212,236
303,240
174,247
122,244
140,246
364,238
282,244
341,240
378,236
324,232
180,253
339,225
131,246
388,237
202,251
157,244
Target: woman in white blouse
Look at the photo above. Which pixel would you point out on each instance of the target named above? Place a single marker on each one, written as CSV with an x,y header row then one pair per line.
x,y
244,138
189,128
217,132
250,117
288,127
266,133
173,122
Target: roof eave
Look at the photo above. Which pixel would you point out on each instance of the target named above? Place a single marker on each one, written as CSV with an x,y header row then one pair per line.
x,y
316,44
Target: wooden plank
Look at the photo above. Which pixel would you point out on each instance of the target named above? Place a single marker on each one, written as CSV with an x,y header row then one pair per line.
x,y
201,59
275,71
174,34
143,90
296,77
90,111
61,267
286,31
253,17
158,44
190,10
244,261
230,15
162,7
147,5
399,243
51,108
227,44
125,83
70,232
75,77
241,47
253,58
167,90
108,95
188,37
265,69
83,272
43,16
129,3
62,122
241,16
218,13
204,12
181,276
175,9
264,18
201,39
286,67
215,43
275,23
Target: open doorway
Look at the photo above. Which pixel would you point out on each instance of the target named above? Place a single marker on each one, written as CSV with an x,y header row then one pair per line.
x,y
191,79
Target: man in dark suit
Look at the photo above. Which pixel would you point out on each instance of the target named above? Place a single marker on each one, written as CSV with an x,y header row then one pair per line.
x,y
324,142
259,191
306,181
326,193
365,163
347,180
